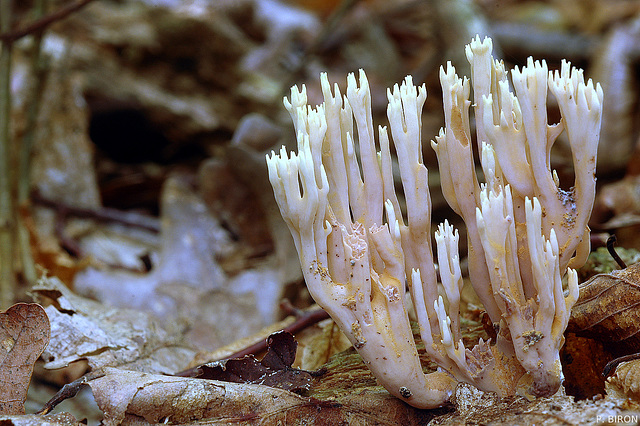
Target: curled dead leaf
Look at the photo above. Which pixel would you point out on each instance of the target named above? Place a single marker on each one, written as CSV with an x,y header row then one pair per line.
x,y
85,329
24,334
624,384
273,370
608,309
129,397
58,419
135,398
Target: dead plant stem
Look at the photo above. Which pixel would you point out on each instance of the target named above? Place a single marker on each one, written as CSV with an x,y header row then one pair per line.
x,y
38,66
7,277
40,24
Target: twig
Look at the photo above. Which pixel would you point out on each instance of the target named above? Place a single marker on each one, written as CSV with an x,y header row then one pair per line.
x,y
287,307
611,242
70,389
332,22
527,38
74,249
304,320
104,214
326,33
611,365
7,278
67,243
40,24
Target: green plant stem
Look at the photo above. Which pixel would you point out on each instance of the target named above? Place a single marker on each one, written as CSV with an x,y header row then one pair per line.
x,y
7,277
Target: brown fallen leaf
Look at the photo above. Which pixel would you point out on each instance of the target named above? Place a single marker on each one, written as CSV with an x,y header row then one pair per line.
x,y
273,370
58,419
83,329
24,334
346,394
130,397
624,385
608,309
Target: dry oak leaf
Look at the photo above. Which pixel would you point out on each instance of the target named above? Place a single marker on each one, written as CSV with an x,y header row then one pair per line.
x,y
608,309
24,334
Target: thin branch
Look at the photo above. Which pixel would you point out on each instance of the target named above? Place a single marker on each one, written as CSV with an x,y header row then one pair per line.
x,y
327,31
104,214
524,37
304,319
613,364
70,389
67,243
611,242
40,24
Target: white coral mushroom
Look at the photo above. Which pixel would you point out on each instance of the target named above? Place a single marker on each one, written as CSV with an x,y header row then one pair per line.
x,y
357,248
